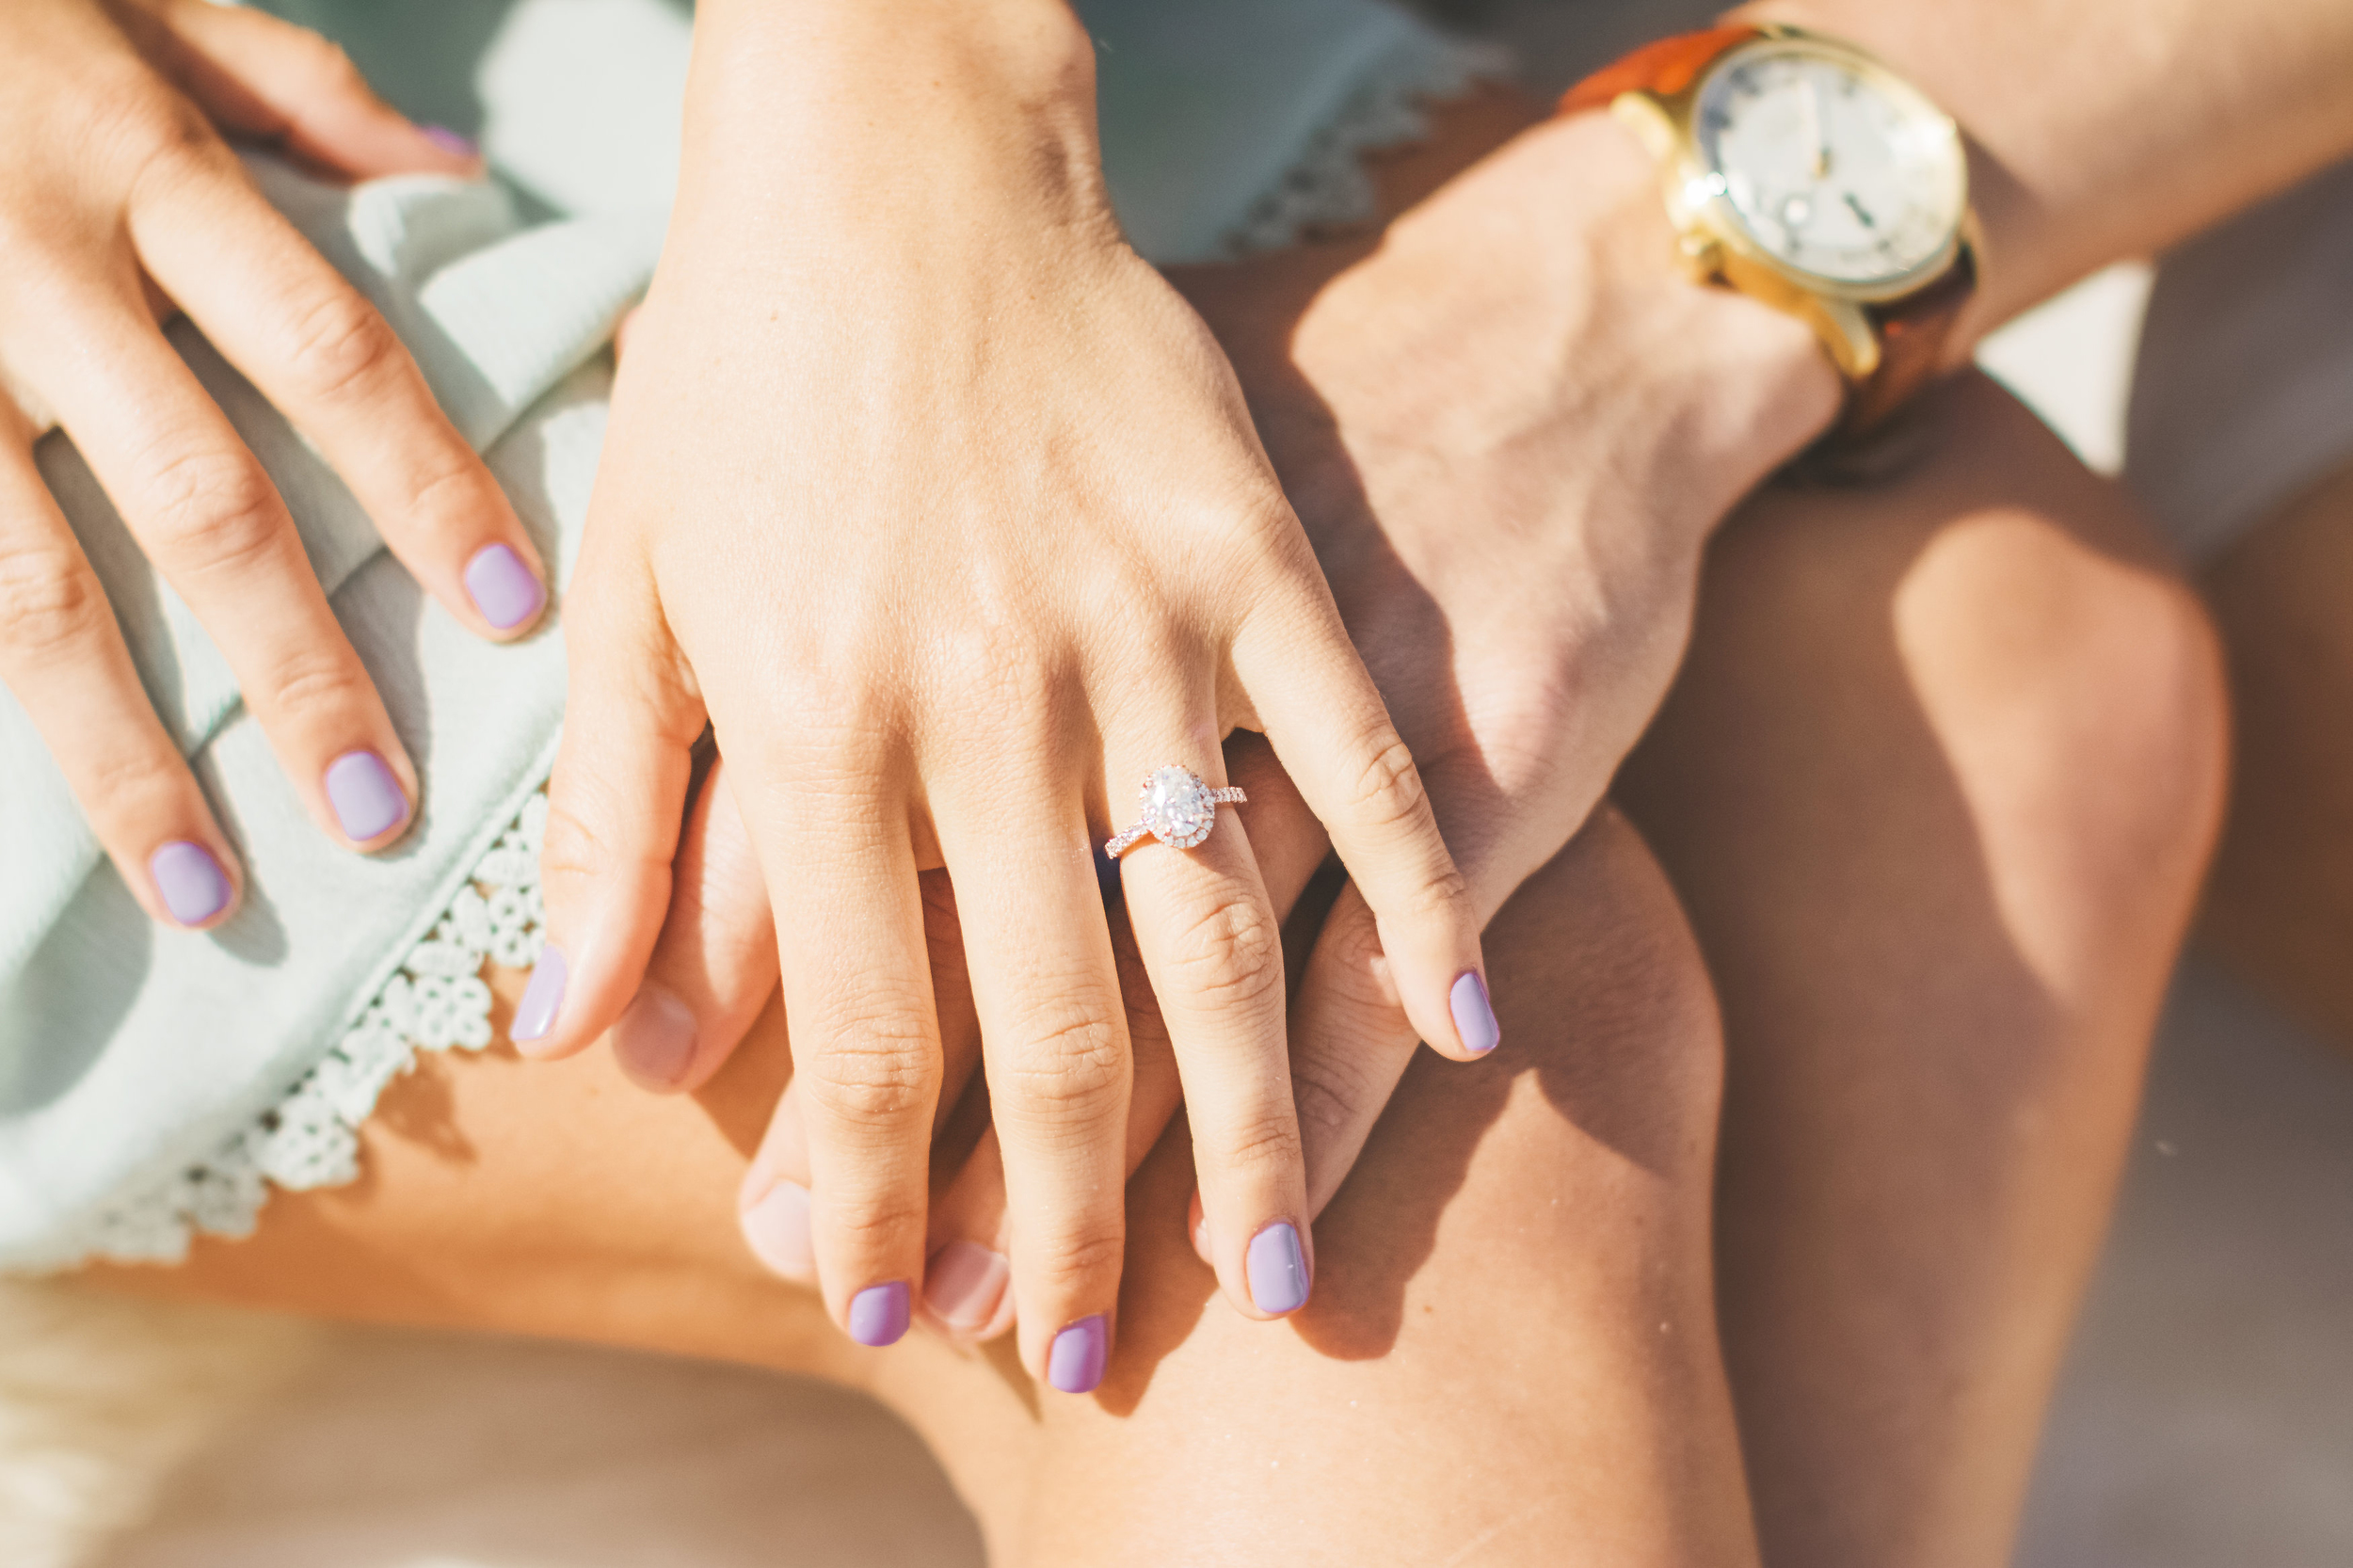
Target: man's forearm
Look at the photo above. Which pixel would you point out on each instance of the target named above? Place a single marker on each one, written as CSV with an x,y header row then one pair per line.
x,y
2105,129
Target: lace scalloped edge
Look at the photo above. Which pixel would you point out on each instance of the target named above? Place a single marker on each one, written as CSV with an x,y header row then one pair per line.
x,y
436,1001
1327,185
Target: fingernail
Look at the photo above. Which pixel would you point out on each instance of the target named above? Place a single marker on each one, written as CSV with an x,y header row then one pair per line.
x,y
655,1039
965,1285
777,1229
1474,1015
367,799
1075,1364
1277,1270
503,589
878,1314
450,141
543,997
193,886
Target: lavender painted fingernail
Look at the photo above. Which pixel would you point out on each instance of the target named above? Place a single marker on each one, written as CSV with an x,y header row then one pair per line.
x,y
1277,1270
543,997
503,589
655,1039
367,799
450,141
1474,1015
777,1229
878,1314
193,886
1075,1364
965,1285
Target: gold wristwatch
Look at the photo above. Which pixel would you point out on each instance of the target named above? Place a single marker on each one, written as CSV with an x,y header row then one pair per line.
x,y
1803,172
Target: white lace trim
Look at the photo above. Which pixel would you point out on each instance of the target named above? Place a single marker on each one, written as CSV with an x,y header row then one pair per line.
x,y
1328,187
438,1001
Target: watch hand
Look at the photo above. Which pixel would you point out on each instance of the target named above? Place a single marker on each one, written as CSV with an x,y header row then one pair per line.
x,y
1813,125
1862,214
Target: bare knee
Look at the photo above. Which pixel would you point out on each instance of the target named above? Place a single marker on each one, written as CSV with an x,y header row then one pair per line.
x,y
2076,684
1987,660
1518,1265
1606,1003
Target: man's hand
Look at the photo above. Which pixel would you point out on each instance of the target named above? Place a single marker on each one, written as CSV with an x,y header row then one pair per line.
x,y
1510,430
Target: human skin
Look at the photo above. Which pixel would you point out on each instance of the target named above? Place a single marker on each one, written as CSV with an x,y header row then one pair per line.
x,y
1509,1357
1983,639
1633,441
122,205
1937,784
2279,908
945,511
1988,639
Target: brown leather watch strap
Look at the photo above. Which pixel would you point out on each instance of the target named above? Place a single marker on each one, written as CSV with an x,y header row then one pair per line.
x,y
1912,331
1913,334
1665,68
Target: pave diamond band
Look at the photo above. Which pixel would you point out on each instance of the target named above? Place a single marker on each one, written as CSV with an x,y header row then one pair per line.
x,y
1179,808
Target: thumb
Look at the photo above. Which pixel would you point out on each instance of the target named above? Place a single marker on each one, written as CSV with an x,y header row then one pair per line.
x,y
615,810
714,966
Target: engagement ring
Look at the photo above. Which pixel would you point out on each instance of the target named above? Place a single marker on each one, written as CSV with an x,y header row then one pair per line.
x,y
1179,811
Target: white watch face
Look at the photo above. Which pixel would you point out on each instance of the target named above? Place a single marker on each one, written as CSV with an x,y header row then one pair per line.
x,y
1838,169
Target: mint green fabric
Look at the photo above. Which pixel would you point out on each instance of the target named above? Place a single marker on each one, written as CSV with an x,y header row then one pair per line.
x,y
138,1066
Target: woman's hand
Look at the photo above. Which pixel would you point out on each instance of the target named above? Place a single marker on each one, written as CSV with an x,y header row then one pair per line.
x,y
947,512
1510,430
119,204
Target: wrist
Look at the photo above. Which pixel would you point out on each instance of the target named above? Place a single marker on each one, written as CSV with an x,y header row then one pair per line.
x,y
1539,295
913,112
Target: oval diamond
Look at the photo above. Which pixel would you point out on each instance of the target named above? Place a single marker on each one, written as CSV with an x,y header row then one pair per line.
x,y
1177,807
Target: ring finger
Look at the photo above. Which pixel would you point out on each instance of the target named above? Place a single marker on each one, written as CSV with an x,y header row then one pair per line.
x,y
1213,949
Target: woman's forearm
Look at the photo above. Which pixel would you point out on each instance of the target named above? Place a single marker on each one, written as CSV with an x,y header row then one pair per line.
x,y
2112,128
866,116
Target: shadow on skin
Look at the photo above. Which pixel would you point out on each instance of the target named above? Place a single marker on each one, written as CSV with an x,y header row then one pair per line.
x,y
1876,785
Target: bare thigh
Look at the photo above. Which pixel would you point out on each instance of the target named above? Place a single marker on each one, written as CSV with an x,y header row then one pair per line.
x,y
1510,1356
2280,907
1936,784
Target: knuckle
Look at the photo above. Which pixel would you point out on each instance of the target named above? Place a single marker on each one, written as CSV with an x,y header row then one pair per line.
x,y
1331,1093
448,499
1259,1142
870,1222
1069,1074
1078,1261
1386,794
880,1070
315,683
51,606
570,848
125,783
212,510
324,65
145,114
156,137
1228,955
1351,961
339,347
